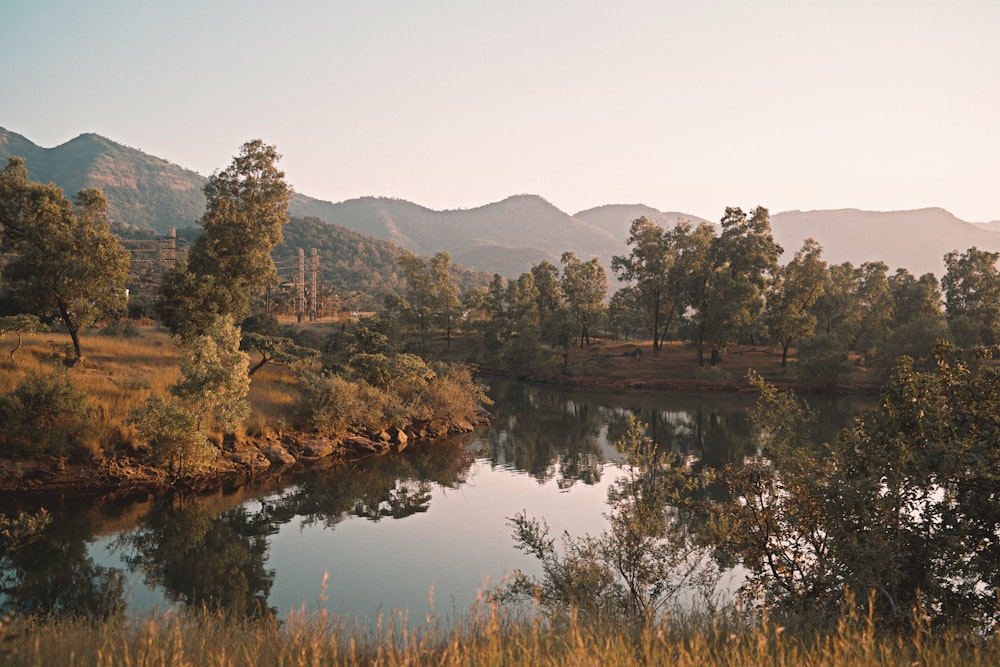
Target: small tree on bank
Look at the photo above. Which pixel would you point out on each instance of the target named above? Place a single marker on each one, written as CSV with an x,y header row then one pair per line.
x,y
66,263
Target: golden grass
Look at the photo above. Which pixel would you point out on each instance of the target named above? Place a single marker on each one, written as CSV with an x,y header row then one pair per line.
x,y
485,638
119,374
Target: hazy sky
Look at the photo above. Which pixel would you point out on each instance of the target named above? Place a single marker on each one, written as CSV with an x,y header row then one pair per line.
x,y
688,106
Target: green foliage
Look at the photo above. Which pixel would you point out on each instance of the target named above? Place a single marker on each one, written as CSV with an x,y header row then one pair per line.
x,y
822,361
230,263
402,374
915,339
451,395
19,325
276,350
333,406
215,381
584,285
971,287
903,505
66,262
634,572
46,414
120,328
175,438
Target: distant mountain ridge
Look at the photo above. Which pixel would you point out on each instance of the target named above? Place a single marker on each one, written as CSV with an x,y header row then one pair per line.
x,y
505,237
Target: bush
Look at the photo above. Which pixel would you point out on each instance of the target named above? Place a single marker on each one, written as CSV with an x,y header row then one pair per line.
x,y
46,414
333,406
120,328
453,395
822,360
175,440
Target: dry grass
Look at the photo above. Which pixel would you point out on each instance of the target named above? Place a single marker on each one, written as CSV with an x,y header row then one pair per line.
x,y
119,374
485,638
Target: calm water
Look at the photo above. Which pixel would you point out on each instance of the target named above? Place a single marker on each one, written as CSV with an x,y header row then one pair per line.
x,y
418,534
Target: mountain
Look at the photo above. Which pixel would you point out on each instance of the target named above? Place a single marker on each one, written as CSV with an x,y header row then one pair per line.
x,y
916,240
616,219
506,237
142,191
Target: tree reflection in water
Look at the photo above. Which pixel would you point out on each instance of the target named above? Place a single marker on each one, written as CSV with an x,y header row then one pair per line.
x,y
55,574
201,556
217,560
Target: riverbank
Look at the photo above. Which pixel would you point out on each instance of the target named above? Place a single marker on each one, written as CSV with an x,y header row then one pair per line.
x,y
634,366
116,377
237,463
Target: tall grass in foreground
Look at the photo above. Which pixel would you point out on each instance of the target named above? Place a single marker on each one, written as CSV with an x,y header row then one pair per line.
x,y
485,638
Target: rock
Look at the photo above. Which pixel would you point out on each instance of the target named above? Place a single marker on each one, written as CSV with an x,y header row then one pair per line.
x,y
463,427
318,449
278,455
250,458
397,436
382,436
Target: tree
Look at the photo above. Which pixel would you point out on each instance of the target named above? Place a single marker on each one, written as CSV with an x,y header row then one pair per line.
x,y
634,571
728,288
66,261
971,287
230,262
914,298
276,350
19,325
875,299
175,437
431,293
796,288
215,381
648,266
903,505
584,284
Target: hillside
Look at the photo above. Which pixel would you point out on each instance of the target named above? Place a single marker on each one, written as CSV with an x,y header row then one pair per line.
x,y
505,237
917,240
616,219
142,191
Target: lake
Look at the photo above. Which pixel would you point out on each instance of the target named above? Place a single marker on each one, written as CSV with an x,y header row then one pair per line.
x,y
416,535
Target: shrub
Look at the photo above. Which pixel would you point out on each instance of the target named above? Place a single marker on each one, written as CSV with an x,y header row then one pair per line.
x,y
453,395
46,414
175,440
333,406
120,328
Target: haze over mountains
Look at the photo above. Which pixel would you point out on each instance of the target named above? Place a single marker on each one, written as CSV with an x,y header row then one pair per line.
x,y
504,237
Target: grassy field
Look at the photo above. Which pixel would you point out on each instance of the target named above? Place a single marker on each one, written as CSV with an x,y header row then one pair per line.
x,y
118,374
486,638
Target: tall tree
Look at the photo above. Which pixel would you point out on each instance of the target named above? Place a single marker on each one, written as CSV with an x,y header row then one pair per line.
x,y
647,265
728,289
971,286
913,298
796,288
230,262
67,263
585,284
431,293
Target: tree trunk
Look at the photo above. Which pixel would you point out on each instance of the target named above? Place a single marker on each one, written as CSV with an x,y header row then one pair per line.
x,y
74,334
784,354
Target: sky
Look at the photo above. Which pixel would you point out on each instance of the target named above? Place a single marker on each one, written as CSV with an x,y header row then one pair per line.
x,y
684,106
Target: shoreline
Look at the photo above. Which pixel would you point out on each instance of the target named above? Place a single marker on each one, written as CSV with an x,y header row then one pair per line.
x,y
239,463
